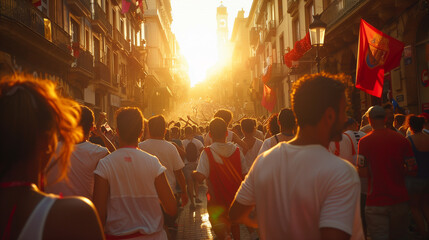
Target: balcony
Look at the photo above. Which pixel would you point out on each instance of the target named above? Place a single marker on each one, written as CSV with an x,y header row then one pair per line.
x,y
85,61
100,23
102,74
22,11
292,6
270,30
118,38
82,70
253,36
338,10
80,8
60,37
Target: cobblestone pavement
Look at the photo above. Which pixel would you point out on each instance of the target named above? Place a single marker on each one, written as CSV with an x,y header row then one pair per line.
x,y
194,223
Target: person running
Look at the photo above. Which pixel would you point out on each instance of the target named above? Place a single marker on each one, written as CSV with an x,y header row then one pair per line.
x,y
193,148
83,161
287,123
223,164
130,184
248,127
226,115
169,157
382,154
301,190
418,187
33,118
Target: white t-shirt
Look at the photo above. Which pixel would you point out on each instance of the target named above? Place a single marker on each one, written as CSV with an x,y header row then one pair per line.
x,y
167,154
259,135
197,143
83,161
222,149
345,149
133,205
299,189
251,155
208,140
267,144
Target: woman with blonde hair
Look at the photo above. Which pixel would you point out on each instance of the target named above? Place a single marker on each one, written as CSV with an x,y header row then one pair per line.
x,y
32,119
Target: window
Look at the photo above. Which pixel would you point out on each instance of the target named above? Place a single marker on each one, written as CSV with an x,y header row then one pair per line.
x,y
96,49
115,65
75,30
114,20
282,46
280,7
309,12
295,29
87,44
122,26
108,61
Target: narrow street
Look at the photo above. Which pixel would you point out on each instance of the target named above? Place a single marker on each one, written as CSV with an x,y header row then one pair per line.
x,y
195,225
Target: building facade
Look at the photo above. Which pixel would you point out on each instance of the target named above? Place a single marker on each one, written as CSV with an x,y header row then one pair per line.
x,y
276,25
96,51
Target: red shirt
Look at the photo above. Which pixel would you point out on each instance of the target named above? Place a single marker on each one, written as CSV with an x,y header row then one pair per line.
x,y
385,152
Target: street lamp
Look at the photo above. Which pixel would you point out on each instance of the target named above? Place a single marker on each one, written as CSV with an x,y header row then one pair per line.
x,y
317,36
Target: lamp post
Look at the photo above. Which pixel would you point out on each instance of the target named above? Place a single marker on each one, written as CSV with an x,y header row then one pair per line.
x,y
317,36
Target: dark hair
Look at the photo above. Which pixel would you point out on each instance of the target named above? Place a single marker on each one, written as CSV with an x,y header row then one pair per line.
x,y
217,128
287,119
188,130
86,119
388,106
194,129
174,130
157,126
313,94
225,114
248,125
129,122
273,126
416,123
400,118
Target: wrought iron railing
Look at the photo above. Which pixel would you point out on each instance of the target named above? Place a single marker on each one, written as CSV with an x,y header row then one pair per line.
x,y
23,12
100,15
102,72
85,60
60,37
337,10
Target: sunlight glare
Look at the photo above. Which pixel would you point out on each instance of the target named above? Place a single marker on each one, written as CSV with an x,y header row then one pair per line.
x,y
195,28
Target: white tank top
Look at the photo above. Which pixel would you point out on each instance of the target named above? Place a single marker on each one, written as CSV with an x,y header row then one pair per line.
x,y
33,228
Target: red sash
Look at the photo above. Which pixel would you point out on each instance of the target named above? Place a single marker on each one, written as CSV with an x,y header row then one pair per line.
x,y
225,179
132,235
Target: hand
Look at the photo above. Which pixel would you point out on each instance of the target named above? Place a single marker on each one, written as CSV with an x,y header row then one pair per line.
x,y
101,119
184,198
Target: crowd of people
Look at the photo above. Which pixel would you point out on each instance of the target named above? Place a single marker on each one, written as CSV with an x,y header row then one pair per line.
x,y
309,172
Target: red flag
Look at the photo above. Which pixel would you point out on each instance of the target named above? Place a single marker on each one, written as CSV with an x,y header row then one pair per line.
x,y
269,98
36,3
299,49
127,4
377,53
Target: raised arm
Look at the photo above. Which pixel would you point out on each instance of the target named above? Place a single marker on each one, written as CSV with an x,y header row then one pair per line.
x,y
241,143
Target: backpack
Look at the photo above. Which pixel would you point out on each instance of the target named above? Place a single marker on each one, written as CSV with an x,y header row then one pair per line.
x,y
191,152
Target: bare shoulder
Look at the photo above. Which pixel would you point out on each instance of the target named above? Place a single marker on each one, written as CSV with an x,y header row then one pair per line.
x,y
73,218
